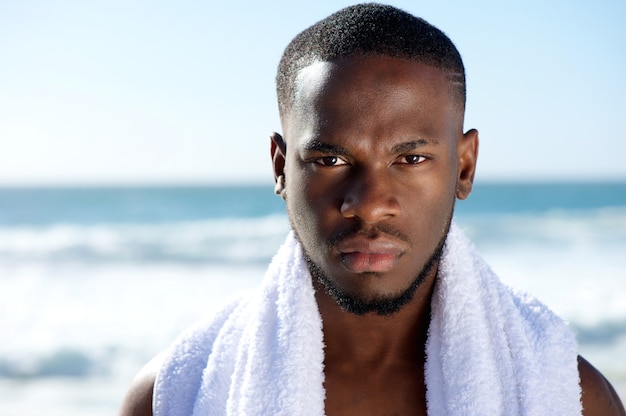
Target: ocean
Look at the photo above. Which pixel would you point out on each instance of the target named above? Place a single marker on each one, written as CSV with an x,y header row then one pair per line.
x,y
95,281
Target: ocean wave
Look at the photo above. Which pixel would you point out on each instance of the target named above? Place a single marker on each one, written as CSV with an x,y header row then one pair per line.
x,y
226,240
605,332
73,361
554,228
236,240
65,362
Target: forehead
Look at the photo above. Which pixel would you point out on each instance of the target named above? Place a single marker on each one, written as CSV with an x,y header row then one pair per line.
x,y
382,86
370,67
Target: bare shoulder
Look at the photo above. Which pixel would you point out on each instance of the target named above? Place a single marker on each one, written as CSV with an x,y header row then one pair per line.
x,y
598,396
138,399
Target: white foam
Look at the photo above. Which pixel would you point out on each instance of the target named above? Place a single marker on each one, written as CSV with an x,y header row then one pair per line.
x,y
213,240
574,262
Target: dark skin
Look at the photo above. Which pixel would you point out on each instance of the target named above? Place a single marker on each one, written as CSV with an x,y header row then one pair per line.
x,y
376,367
365,159
375,146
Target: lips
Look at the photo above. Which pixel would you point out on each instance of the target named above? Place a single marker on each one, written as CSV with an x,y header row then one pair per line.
x,y
361,255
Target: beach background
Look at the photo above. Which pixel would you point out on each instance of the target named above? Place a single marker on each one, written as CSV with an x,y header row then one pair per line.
x,y
95,281
136,185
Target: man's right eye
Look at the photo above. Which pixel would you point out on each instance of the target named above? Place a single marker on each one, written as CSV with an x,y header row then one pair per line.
x,y
330,161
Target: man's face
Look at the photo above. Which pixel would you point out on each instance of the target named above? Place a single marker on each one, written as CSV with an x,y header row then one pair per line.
x,y
371,170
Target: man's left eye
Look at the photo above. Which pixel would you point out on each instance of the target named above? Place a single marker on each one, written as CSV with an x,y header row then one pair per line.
x,y
412,159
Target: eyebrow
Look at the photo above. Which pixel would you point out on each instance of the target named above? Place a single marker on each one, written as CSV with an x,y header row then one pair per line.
x,y
412,145
331,149
317,146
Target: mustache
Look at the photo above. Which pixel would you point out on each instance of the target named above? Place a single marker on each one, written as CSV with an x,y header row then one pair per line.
x,y
371,232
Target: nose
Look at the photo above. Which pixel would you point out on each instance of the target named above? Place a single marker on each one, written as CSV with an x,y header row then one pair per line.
x,y
370,197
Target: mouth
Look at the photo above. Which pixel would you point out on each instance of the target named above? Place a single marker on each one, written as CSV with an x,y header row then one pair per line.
x,y
361,255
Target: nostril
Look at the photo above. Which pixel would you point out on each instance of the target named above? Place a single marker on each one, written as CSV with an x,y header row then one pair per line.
x,y
370,204
347,208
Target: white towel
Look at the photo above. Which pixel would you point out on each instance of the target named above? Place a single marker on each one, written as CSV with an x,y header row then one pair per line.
x,y
261,356
490,351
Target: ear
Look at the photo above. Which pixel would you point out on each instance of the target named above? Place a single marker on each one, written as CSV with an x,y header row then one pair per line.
x,y
278,150
467,150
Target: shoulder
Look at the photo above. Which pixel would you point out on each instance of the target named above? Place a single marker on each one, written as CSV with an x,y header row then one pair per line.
x,y
138,399
598,396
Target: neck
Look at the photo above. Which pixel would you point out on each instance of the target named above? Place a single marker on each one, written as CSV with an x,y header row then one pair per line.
x,y
373,339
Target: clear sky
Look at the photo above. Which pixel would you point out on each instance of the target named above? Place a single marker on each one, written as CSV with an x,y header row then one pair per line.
x,y
154,91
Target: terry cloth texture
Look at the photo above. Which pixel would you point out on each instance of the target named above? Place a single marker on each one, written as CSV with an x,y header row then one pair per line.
x,y
490,350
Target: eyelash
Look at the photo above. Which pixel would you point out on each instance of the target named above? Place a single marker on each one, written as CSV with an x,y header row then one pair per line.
x,y
330,161
420,159
322,161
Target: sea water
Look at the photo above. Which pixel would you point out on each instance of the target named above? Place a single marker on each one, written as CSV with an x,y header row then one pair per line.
x,y
95,281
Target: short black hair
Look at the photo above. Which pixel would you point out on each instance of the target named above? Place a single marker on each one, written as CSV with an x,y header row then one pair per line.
x,y
369,29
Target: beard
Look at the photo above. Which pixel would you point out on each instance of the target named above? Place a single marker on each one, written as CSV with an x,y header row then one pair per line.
x,y
383,305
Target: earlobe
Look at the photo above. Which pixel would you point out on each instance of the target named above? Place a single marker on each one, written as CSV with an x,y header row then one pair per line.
x,y
279,186
278,150
468,155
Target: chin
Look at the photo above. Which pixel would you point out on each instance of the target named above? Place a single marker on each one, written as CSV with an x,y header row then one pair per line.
x,y
379,304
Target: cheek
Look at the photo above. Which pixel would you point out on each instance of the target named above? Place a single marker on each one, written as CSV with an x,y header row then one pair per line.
x,y
427,214
428,204
306,190
303,202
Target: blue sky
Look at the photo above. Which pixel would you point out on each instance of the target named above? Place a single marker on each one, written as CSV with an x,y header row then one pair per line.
x,y
153,91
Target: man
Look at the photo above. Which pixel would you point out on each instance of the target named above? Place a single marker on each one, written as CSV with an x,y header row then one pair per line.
x,y
376,304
